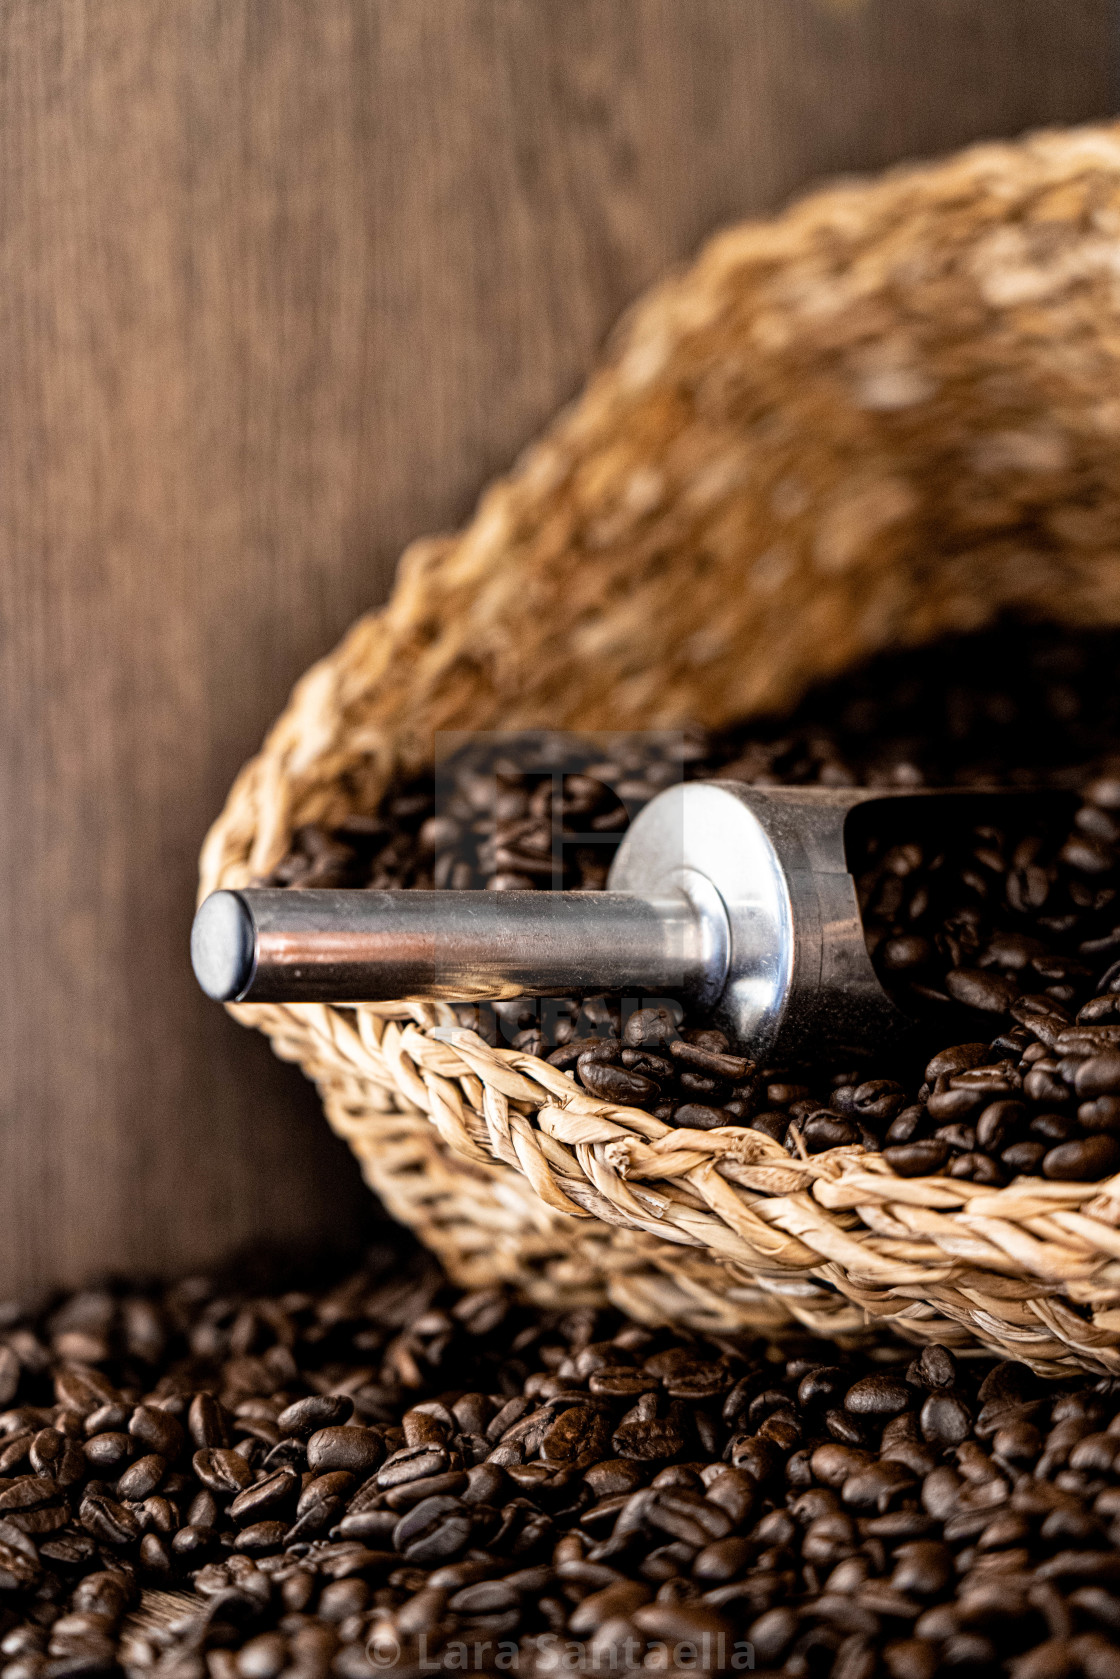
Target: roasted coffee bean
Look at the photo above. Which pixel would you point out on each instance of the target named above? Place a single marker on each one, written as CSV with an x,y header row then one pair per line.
x,y
721,1065
1054,1128
878,1100
692,1084
324,1492
879,1396
1098,1076
222,1472
142,1478
432,1531
959,1138
656,1067
615,1084
996,1123
306,1417
651,1441
568,1056
825,1130
51,1453
1086,1161
905,1126
697,1116
107,1453
956,1059
264,1499
774,1125
1103,1114
108,1418
654,1027
917,1160
156,1430
26,1492
978,1167
945,1418
82,1389
937,1366
977,988
412,1463
1023,1158
109,1522
358,1450
951,1106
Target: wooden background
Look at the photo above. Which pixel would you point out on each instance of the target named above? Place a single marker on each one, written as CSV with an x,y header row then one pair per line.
x,y
281,284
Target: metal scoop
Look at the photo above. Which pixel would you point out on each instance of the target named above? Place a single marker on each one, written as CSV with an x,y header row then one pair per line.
x,y
737,900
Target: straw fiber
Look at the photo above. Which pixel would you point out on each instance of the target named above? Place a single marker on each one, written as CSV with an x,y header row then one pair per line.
x,y
891,413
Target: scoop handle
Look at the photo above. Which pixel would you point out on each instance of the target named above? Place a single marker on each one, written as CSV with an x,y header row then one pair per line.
x,y
265,945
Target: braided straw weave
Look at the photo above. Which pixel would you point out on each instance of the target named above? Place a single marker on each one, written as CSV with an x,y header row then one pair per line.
x,y
890,413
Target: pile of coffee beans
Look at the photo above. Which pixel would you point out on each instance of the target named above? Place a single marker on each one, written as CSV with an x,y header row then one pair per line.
x,y
317,1482
1001,937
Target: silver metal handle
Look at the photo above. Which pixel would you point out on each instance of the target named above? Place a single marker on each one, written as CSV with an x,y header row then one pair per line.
x,y
263,946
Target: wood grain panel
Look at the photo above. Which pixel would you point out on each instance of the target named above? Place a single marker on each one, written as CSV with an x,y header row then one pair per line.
x,y
280,285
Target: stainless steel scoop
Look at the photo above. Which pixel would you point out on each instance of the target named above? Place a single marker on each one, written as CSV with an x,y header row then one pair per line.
x,y
737,900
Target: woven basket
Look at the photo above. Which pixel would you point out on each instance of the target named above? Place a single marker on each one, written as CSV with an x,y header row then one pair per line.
x,y
890,413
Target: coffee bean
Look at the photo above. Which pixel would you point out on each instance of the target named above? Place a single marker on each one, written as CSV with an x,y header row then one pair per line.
x,y
51,1453
654,1027
878,1396
879,1485
618,1600
878,1100
142,1478
432,1531
615,1084
306,1417
960,1138
82,1389
656,1067
996,1123
937,1366
683,1623
109,1522
1085,1161
945,1418
693,1085
651,1441
158,1431
454,1482
357,1450
1103,1114
722,1065
825,1130
568,1056
264,1499
108,1452
922,1569
1023,1158
207,1421
697,1116
955,1060
978,988
917,1160
905,1126
1098,1076
324,1492
221,1471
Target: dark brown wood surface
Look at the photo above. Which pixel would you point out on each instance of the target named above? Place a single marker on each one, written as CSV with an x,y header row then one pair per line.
x,y
281,283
